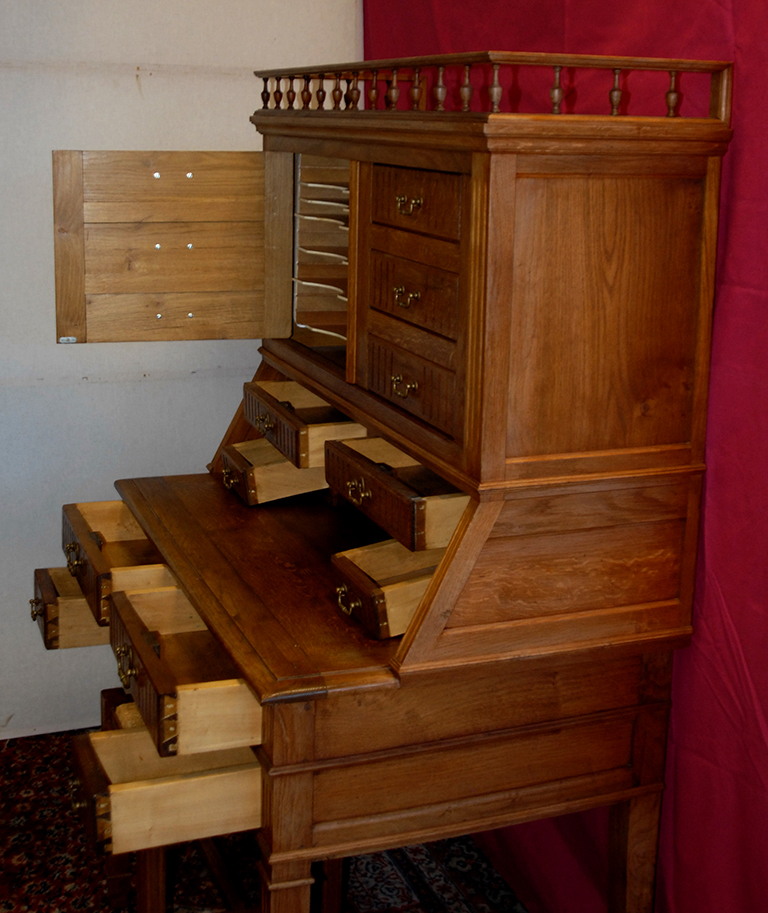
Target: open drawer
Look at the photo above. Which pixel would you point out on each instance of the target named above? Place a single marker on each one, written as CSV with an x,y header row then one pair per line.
x,y
383,584
61,611
257,472
97,537
413,504
296,421
131,799
186,687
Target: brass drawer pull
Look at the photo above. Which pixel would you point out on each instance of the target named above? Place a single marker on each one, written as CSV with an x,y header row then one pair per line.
x,y
38,608
401,388
347,608
125,675
406,207
357,492
227,478
74,561
404,300
264,421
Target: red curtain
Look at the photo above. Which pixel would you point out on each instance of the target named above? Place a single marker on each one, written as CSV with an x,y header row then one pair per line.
x,y
714,841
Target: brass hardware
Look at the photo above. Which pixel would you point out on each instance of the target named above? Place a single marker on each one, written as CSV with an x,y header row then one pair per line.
x,y
38,608
74,562
357,492
228,480
264,421
401,388
76,804
341,593
406,207
403,300
125,675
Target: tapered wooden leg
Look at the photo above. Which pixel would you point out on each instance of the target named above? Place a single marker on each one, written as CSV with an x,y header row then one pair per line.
x,y
285,888
151,894
634,838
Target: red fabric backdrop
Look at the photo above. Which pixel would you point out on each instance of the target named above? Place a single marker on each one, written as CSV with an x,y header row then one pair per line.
x,y
714,841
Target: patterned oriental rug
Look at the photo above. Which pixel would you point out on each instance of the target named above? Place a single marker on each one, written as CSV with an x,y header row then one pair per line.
x,y
48,866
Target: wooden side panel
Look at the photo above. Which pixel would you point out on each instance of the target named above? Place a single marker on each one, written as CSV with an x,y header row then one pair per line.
x,y
68,245
607,312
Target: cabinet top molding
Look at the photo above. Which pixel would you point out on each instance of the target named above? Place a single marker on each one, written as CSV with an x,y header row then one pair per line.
x,y
482,83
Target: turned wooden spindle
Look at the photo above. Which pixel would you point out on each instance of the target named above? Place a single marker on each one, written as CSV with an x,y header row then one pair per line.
x,y
373,90
393,92
306,93
338,93
415,91
673,96
278,92
614,96
440,91
290,95
556,93
495,92
320,92
465,92
265,93
353,92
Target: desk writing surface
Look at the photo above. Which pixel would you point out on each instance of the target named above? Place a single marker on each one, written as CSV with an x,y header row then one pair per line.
x,y
261,578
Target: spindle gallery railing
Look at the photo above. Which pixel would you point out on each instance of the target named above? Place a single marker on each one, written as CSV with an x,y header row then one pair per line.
x,y
433,83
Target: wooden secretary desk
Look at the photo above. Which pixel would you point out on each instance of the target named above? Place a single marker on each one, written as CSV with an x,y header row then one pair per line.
x,y
509,315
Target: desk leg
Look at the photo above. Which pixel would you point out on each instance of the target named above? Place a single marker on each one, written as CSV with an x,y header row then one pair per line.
x,y
285,887
634,837
151,895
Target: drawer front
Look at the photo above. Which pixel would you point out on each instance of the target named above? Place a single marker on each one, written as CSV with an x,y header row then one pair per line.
x,y
185,686
98,537
296,421
382,585
421,201
423,388
258,473
413,504
62,612
422,295
131,799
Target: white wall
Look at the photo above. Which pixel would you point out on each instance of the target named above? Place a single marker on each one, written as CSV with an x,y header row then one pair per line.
x,y
111,74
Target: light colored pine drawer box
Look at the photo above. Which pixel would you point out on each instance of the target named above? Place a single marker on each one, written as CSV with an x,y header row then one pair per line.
x,y
186,687
296,421
98,537
413,504
257,473
132,799
382,584
62,612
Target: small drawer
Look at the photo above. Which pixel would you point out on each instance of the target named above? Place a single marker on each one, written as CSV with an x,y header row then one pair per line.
x,y
61,611
383,584
97,537
422,201
131,799
424,388
296,421
422,295
413,504
185,685
257,472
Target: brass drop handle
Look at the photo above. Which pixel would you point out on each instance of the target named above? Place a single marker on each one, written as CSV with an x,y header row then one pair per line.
x,y
403,299
346,607
227,478
264,421
76,804
38,608
357,492
125,675
406,206
401,388
74,561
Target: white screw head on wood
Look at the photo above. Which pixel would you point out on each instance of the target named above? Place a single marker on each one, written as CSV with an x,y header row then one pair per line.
x,y
190,246
189,174
156,175
157,247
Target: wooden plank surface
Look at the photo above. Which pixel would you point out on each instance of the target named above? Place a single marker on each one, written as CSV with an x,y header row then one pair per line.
x,y
262,579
